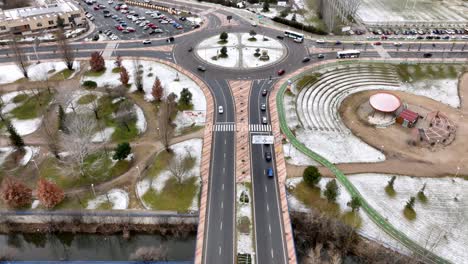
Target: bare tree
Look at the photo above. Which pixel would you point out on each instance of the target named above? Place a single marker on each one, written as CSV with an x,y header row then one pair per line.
x,y
94,106
138,74
352,6
81,129
166,128
51,135
125,114
64,49
178,168
19,57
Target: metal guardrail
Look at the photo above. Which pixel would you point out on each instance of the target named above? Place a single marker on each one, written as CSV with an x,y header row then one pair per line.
x,y
378,219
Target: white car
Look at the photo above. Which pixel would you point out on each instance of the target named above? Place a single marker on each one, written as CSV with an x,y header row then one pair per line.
x,y
397,44
146,41
320,41
164,22
110,2
148,12
220,109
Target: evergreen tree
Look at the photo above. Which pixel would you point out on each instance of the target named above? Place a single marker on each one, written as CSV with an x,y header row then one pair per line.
x,y
331,191
62,120
15,139
60,22
122,151
410,203
293,18
185,97
355,203
266,6
223,36
223,52
252,33
157,91
311,175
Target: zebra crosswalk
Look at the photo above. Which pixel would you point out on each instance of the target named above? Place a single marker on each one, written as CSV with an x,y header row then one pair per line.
x,y
259,128
226,127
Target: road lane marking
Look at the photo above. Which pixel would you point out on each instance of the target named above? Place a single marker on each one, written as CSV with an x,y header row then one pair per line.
x,y
269,228
222,187
220,250
222,205
221,226
268,209
272,254
266,190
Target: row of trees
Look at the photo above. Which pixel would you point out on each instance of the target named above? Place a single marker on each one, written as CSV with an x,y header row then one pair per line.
x,y
312,177
16,194
64,49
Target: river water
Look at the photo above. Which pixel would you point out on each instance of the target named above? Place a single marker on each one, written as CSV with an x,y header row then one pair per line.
x,y
67,246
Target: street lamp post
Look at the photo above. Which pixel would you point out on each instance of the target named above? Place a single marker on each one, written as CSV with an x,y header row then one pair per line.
x,y
139,172
92,188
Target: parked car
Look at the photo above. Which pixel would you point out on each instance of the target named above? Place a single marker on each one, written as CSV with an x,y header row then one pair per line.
x,y
427,55
281,72
306,59
378,43
130,29
320,41
320,56
280,37
146,41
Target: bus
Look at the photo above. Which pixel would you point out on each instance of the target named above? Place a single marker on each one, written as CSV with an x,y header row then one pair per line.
x,y
298,37
348,54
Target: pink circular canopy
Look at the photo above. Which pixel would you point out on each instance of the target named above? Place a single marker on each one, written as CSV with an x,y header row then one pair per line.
x,y
385,102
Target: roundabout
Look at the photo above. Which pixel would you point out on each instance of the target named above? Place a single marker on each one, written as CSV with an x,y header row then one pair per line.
x,y
240,51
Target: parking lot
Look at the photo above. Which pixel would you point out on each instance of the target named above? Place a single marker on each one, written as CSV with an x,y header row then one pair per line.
x,y
131,22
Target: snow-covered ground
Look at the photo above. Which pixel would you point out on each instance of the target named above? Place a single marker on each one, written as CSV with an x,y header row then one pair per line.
x,y
165,73
440,223
270,14
29,154
238,44
182,149
36,72
344,147
245,240
74,106
118,198
433,12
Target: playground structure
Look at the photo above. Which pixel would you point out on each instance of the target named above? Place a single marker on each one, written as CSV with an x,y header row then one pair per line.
x,y
437,131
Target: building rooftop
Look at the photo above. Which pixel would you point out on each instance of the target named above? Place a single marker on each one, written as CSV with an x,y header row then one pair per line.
x,y
29,12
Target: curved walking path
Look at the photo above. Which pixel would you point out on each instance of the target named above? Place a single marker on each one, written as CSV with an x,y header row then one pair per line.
x,y
276,101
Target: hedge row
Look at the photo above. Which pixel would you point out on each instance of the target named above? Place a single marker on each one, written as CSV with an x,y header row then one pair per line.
x,y
299,25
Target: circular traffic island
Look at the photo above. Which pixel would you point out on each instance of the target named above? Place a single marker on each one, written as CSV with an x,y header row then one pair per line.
x,y
240,50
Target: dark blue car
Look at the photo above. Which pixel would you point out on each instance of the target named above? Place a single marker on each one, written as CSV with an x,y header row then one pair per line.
x,y
270,172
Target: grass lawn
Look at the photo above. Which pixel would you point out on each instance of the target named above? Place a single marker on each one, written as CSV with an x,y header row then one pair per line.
x,y
20,98
116,70
174,196
94,74
98,168
190,129
62,75
160,163
307,80
86,99
421,72
33,106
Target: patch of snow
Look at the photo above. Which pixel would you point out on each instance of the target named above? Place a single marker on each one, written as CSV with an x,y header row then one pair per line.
x,y
141,121
339,147
260,43
444,90
35,204
159,182
270,14
64,154
231,61
116,100
30,152
142,187
40,72
250,61
26,127
165,73
9,73
74,106
295,157
195,20
212,42
104,135
188,118
118,198
244,241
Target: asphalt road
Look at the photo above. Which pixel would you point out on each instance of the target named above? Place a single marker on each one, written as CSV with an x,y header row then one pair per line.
x,y
220,220
267,215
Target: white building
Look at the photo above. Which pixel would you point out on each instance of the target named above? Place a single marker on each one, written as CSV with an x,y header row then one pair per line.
x,y
28,20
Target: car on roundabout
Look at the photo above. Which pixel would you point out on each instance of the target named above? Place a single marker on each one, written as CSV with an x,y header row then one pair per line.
x,y
306,59
281,72
201,68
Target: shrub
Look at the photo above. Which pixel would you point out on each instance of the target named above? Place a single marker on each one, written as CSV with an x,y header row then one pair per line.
x,y
90,84
49,193
311,175
15,193
122,151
